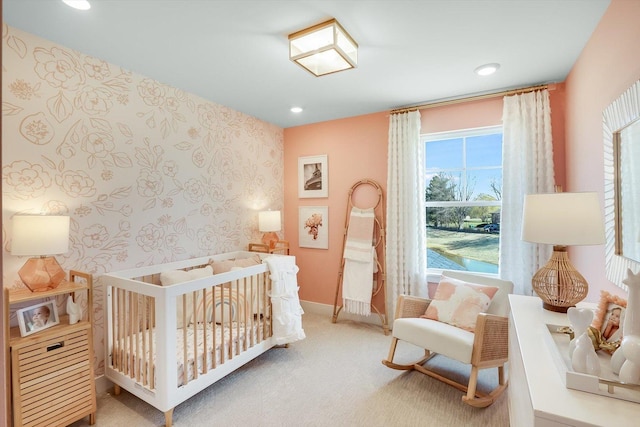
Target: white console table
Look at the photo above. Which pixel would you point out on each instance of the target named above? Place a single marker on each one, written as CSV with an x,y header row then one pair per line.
x,y
537,394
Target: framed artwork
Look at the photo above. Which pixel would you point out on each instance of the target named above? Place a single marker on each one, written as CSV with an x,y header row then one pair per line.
x,y
313,228
609,316
313,178
37,317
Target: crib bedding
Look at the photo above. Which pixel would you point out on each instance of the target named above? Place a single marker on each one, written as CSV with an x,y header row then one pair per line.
x,y
136,349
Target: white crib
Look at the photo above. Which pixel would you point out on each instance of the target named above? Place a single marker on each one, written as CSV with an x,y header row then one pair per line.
x,y
157,335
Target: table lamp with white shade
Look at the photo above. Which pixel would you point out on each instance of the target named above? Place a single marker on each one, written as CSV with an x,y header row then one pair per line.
x,y
41,237
561,220
268,223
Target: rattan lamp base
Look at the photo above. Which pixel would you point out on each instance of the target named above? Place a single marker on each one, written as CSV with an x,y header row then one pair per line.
x,y
558,283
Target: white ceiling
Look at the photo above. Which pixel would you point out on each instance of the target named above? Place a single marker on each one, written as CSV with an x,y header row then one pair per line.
x,y
235,53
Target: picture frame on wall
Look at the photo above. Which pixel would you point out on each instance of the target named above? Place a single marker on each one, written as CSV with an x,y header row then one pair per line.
x,y
37,317
313,177
313,228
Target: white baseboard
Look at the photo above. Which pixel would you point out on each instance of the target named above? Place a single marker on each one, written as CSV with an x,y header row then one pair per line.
x,y
327,310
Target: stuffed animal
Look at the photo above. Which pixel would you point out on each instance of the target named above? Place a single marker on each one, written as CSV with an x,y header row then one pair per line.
x,y
583,355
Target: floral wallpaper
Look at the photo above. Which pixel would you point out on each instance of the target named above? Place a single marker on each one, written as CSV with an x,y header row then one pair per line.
x,y
146,172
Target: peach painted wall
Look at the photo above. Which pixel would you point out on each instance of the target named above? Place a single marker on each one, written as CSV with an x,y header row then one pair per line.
x,y
608,65
356,149
486,112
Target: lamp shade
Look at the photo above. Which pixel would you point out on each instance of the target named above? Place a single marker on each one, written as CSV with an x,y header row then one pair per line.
x,y
323,49
35,235
269,221
565,219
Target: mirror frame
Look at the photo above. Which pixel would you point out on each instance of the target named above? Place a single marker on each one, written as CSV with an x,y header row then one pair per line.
x,y
618,115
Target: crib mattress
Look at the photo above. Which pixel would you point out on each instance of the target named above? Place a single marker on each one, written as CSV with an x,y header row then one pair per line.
x,y
229,342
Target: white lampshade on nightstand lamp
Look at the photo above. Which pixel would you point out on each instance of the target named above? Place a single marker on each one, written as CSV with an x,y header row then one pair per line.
x,y
40,236
268,223
561,220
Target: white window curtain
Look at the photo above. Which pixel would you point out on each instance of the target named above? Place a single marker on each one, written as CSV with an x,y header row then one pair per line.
x,y
406,249
527,168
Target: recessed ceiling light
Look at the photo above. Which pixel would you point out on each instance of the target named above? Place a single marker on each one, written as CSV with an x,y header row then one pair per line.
x,y
296,109
487,69
78,4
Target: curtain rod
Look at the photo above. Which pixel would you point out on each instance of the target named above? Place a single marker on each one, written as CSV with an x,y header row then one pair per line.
x,y
473,98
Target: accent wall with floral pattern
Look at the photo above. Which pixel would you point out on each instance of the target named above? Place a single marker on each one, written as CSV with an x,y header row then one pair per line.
x,y
146,172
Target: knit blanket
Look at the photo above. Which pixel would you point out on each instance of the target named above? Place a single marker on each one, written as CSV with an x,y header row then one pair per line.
x,y
285,304
357,279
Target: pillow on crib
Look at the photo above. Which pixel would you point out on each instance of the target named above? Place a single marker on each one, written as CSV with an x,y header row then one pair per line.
x,y
226,302
173,277
458,303
227,265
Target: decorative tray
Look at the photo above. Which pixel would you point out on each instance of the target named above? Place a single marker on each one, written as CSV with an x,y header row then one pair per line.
x,y
607,384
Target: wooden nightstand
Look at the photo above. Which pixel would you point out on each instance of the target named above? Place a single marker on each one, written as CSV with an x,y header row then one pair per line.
x,y
280,247
51,371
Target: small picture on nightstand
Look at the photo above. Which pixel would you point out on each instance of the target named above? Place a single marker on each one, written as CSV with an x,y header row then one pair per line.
x,y
37,317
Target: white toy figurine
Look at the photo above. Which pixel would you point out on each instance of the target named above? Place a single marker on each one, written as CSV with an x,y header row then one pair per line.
x,y
74,311
583,358
630,346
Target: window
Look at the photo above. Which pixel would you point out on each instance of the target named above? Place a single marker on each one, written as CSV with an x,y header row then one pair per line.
x,y
463,199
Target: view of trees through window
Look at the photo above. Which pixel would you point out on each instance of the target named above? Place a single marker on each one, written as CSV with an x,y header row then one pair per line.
x,y
463,198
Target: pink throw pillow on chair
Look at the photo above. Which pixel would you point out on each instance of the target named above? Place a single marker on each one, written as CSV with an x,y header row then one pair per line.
x,y
458,303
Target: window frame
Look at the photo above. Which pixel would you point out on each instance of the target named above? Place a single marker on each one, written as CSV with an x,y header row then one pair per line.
x,y
433,274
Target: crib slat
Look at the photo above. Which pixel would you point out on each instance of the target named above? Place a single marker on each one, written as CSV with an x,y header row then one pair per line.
x,y
267,303
259,292
152,365
120,327
255,320
184,338
144,361
130,335
264,304
237,320
248,313
114,342
223,354
214,334
136,335
205,364
116,326
195,341
230,326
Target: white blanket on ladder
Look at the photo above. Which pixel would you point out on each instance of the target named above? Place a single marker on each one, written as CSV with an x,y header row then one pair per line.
x,y
287,311
359,262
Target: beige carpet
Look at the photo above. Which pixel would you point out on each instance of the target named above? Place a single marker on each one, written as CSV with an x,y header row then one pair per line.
x,y
332,378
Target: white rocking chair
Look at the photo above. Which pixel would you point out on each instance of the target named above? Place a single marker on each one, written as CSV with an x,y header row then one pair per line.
x,y
487,347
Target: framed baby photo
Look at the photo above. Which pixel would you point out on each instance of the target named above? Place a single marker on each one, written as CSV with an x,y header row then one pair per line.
x,y
313,178
37,317
609,317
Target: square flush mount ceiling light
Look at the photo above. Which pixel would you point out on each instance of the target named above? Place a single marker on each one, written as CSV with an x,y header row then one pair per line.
x,y
323,49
